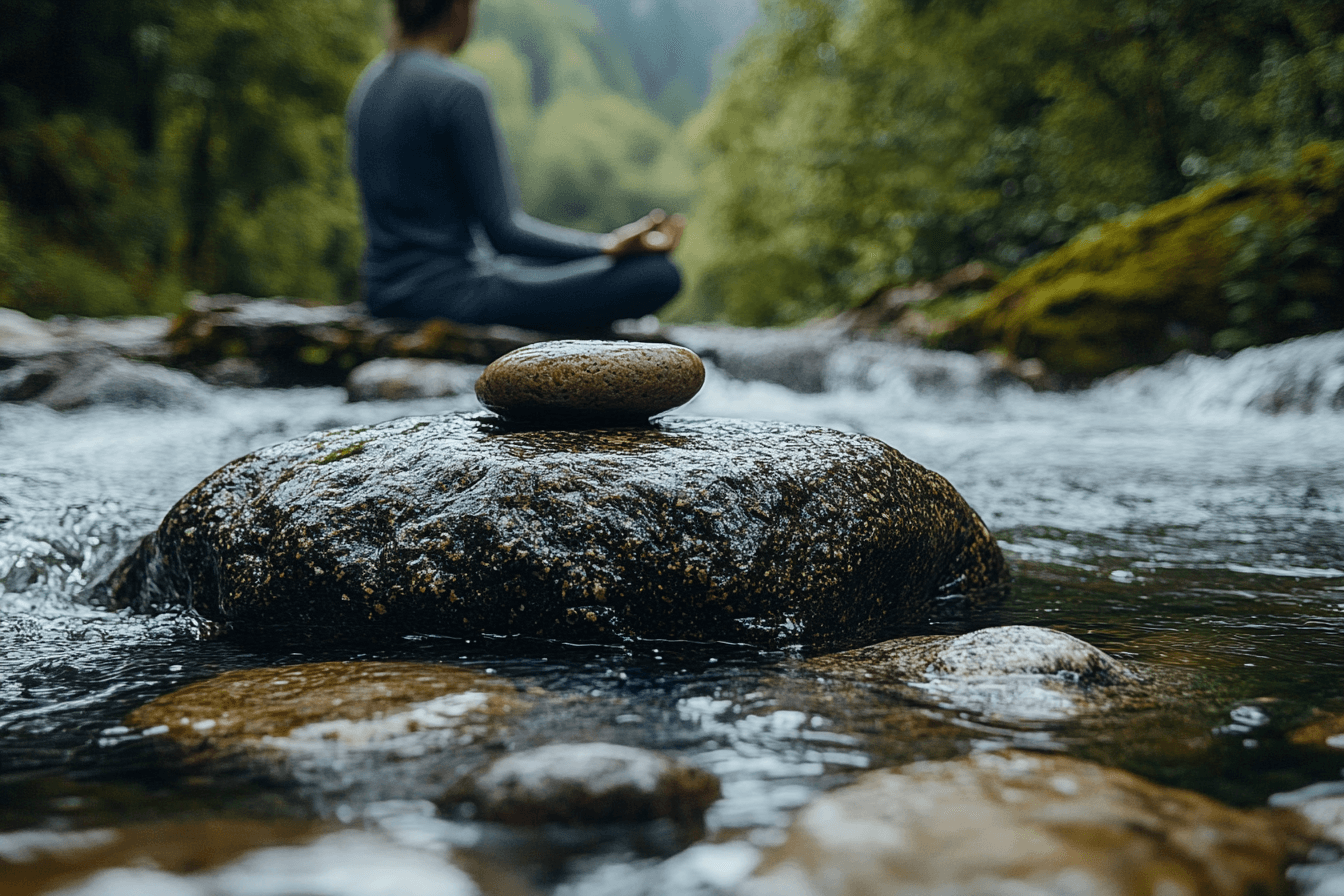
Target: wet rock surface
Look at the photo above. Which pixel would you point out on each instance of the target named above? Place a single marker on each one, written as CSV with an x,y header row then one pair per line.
x,y
573,380
341,863
1326,729
359,730
1321,809
825,357
101,860
588,784
403,379
1014,822
1015,671
755,533
68,380
289,343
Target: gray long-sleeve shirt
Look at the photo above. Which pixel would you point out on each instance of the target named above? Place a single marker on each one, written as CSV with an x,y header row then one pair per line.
x,y
431,166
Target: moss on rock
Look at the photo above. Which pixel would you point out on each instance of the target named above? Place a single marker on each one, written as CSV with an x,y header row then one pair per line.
x,y
1245,262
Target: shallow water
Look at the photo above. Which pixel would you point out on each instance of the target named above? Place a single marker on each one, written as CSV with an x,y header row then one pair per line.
x,y
1188,518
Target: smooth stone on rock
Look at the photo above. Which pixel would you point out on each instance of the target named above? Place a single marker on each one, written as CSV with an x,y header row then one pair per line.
x,y
996,824
402,379
589,784
1015,671
575,379
710,530
320,707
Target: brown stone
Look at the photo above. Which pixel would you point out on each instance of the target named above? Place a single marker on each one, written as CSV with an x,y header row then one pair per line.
x,y
318,707
1325,730
1008,823
40,861
590,380
235,857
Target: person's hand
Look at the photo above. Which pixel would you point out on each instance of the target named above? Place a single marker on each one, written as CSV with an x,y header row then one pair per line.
x,y
656,232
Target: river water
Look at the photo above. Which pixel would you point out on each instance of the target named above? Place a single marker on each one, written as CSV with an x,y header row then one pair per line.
x,y
1186,518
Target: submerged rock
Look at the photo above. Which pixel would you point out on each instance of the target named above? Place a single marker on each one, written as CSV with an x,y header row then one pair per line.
x,y
694,529
1324,730
100,861
341,863
588,784
1011,671
578,380
276,716
1012,823
403,379
1321,808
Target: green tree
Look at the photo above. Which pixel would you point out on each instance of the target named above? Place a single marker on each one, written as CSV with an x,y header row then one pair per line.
x,y
862,143
254,101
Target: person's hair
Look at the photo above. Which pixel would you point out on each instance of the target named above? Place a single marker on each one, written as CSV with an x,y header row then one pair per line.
x,y
416,16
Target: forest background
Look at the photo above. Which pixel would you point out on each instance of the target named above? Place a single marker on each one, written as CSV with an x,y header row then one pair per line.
x,y
151,147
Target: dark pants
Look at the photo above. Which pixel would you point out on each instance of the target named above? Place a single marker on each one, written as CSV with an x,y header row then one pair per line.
x,y
570,296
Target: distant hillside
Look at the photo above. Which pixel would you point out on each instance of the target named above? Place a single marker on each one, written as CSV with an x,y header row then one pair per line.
x,y
675,44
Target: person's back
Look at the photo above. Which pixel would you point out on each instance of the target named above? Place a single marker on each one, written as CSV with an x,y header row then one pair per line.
x,y
417,210
434,179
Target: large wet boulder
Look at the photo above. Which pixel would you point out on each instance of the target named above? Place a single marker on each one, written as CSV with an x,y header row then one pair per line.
x,y
761,533
999,824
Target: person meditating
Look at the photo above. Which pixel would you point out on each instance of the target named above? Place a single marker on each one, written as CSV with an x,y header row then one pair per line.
x,y
447,236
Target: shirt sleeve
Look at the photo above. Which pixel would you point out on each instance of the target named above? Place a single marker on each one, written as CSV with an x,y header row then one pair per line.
x,y
482,158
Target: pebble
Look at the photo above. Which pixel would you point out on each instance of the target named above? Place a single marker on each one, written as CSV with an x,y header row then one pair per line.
x,y
589,783
590,381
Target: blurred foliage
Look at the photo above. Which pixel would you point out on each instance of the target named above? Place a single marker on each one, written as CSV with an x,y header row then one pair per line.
x,y
151,146
863,143
1241,262
674,45
590,151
